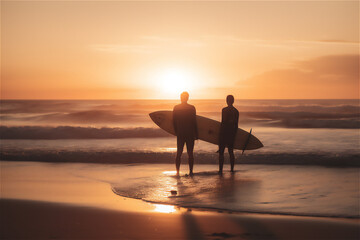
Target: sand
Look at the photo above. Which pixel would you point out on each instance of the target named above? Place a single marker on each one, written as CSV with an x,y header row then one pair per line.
x,y
60,205
43,220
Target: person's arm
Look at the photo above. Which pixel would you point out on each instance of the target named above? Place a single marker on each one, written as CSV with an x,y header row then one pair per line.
x,y
196,127
222,116
236,120
174,120
221,125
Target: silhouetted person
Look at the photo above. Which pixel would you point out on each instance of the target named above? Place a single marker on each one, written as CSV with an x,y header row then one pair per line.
x,y
184,118
228,129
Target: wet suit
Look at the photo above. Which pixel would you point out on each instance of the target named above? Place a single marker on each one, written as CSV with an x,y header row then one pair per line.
x,y
228,129
184,119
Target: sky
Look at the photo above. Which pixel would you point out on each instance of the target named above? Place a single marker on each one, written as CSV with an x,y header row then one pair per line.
x,y
156,49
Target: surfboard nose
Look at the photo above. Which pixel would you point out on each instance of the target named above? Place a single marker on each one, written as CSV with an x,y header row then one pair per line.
x,y
156,117
152,116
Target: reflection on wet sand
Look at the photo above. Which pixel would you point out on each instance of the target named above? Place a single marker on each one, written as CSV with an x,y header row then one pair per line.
x,y
254,188
162,208
204,189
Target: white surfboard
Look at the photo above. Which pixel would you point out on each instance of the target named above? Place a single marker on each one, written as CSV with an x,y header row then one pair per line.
x,y
208,130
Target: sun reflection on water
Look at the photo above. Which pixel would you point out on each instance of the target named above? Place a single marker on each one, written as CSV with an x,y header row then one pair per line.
x,y
168,149
164,208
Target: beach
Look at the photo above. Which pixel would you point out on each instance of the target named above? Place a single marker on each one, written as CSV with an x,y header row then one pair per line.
x,y
56,201
24,219
82,169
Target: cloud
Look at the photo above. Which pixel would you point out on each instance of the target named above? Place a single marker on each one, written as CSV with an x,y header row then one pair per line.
x,y
120,48
338,41
184,42
334,76
341,67
281,43
151,44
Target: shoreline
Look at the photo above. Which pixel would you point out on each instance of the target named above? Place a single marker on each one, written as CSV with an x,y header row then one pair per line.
x,y
227,211
202,158
75,201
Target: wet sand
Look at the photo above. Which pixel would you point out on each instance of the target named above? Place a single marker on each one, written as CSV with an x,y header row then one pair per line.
x,y
43,220
49,201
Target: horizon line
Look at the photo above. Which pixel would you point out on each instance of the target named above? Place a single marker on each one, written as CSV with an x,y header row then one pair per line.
x,y
162,99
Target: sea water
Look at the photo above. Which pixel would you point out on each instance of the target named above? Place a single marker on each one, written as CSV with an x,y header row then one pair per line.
x,y
310,155
320,132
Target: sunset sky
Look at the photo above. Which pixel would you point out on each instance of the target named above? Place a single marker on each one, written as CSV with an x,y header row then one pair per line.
x,y
126,50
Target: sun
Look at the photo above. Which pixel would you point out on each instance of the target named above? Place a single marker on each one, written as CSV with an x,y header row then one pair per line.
x,y
174,81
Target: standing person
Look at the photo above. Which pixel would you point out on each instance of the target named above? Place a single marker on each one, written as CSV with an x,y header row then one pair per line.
x,y
228,129
184,119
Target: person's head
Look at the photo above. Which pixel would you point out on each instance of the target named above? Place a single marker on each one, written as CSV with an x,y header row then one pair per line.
x,y
184,97
230,100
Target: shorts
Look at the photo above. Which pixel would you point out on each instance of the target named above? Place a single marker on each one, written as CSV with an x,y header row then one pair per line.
x,y
189,143
226,140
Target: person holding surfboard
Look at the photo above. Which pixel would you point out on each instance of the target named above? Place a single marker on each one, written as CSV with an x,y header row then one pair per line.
x,y
228,129
184,120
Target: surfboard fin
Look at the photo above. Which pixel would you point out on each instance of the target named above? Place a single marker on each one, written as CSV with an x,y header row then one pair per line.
x,y
246,143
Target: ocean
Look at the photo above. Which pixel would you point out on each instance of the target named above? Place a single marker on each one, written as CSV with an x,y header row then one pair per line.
x,y
310,156
311,132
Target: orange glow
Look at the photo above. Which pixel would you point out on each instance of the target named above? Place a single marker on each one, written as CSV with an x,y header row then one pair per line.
x,y
173,81
43,182
147,50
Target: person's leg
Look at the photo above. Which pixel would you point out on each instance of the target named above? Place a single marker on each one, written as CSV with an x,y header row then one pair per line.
x,y
190,150
180,148
232,158
221,157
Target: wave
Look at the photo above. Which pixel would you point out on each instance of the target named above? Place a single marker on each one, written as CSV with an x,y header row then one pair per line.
x,y
69,106
69,132
315,123
299,115
276,113
100,118
75,132
79,117
128,157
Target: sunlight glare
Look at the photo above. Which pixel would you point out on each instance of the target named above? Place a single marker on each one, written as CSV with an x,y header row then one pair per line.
x,y
168,149
174,81
164,208
169,172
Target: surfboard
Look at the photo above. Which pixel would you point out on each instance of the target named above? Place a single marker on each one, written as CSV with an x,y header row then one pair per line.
x,y
208,130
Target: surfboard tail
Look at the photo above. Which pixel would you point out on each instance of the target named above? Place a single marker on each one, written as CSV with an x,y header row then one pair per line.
x,y
251,143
